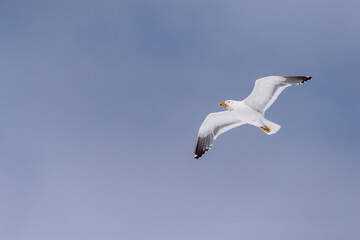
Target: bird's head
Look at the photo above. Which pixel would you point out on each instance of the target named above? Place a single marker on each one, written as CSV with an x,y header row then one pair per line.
x,y
229,104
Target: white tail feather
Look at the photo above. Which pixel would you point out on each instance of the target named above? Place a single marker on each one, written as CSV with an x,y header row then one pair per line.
x,y
272,126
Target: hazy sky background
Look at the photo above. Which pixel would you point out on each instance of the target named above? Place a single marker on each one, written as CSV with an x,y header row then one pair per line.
x,y
101,102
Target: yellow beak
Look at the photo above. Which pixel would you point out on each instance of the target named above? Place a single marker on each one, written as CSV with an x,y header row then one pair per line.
x,y
222,104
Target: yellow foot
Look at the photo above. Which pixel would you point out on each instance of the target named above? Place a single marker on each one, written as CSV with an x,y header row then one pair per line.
x,y
265,129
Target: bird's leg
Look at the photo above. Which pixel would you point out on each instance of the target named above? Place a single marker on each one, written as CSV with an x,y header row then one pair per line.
x,y
265,128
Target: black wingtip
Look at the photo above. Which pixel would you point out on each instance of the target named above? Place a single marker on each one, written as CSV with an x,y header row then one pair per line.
x,y
307,78
298,80
202,145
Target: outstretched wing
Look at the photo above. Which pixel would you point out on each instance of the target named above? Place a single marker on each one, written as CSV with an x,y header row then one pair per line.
x,y
213,126
267,89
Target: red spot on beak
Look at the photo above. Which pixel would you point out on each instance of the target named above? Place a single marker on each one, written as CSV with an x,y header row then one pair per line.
x,y
225,105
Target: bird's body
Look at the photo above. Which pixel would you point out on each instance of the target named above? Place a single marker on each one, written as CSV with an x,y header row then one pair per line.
x,y
249,111
248,115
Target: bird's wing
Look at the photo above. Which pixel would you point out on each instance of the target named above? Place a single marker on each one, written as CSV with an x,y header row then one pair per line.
x,y
267,89
213,126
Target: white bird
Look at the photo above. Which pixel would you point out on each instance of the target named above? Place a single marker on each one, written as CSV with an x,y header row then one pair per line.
x,y
249,111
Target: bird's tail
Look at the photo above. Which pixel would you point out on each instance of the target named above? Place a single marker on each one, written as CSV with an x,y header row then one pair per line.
x,y
270,127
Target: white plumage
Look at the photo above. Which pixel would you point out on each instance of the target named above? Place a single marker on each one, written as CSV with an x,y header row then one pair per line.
x,y
249,111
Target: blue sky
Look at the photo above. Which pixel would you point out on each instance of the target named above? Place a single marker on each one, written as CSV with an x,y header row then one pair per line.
x,y
101,102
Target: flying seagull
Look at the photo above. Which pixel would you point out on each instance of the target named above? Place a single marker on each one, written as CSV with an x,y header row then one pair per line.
x,y
249,111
